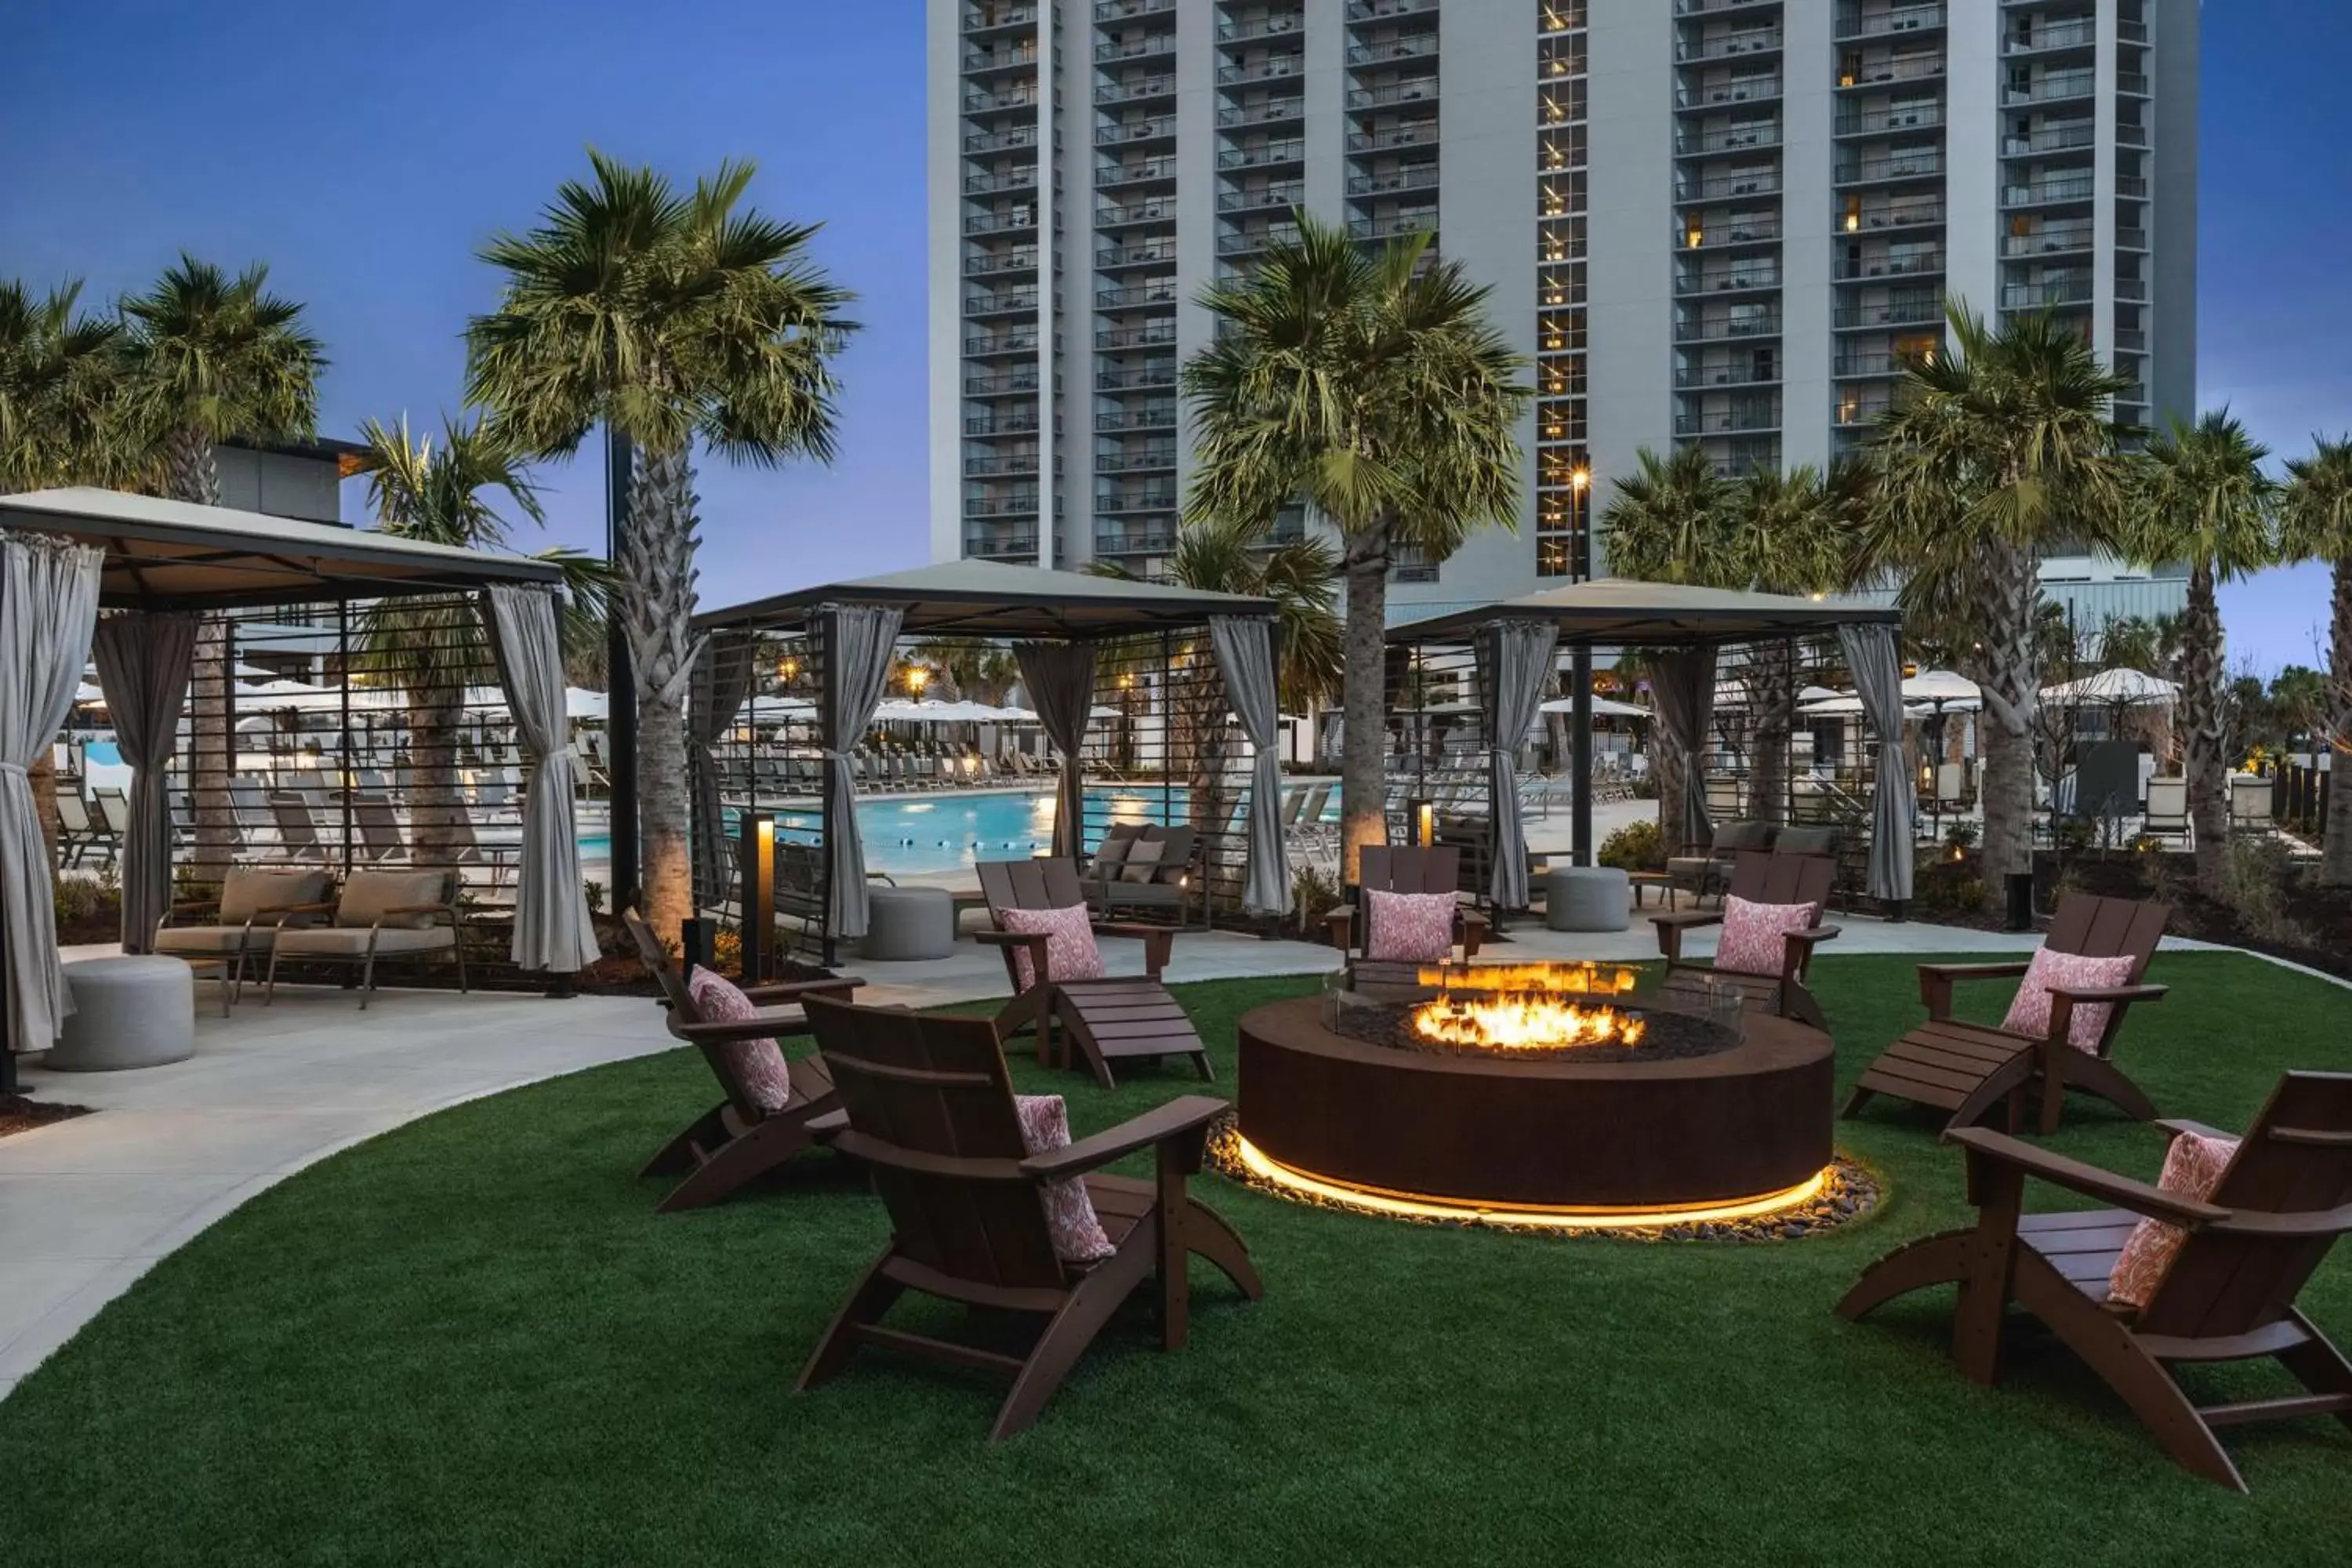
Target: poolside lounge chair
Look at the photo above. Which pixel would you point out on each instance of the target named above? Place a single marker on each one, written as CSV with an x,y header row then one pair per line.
x,y
1111,1019
407,915
2250,803
1969,1068
297,830
1774,879
77,831
2228,1294
1406,869
930,1111
2167,809
737,1141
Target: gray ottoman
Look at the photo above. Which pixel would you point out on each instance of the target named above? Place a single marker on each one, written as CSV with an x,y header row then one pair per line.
x,y
909,923
1587,897
128,1011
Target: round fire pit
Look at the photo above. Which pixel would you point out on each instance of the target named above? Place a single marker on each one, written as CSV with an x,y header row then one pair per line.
x,y
1710,1122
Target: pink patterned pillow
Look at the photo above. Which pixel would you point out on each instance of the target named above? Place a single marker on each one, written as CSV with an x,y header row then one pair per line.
x,y
758,1065
1408,928
2192,1169
2030,1013
1754,936
1078,1235
1070,950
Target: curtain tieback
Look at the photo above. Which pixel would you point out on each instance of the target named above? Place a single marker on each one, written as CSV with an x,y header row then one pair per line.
x,y
16,768
830,755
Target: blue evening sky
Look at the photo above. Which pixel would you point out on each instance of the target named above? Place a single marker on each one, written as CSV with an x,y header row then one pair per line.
x,y
365,153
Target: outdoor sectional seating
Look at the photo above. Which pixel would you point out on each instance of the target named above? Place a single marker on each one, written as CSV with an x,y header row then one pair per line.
x,y
411,916
1118,879
252,903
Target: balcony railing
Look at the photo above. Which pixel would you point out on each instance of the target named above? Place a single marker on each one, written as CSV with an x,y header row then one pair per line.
x,y
2133,83
1709,328
1420,90
1393,138
1395,226
1411,46
2131,288
1019,463
1157,250
1001,343
1111,51
2129,135
1000,386
1162,86
1421,177
2035,193
1882,72
1015,424
1021,179
1288,194
1724,95
2046,296
1133,541
1156,334
1708,7
991,102
1887,313
1864,366
1896,22
2048,241
1288,150
2131,339
1130,10
1853,411
1907,165
1271,27
1723,232
1001,546
1021,505
2052,87
1023,259
1889,121
1158,127
1740,139
2055,139
1011,139
1387,10
1136,460
990,20
1276,67
2131,239
1272,109
1900,215
1149,376
1918,264
1700,378
1159,209
1150,416
1724,187
2052,36
1000,223
1245,241
999,59
1119,502
1740,281
1157,291
1135,173
1729,46
1732,422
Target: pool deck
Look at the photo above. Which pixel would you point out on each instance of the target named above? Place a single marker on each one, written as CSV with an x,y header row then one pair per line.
x,y
89,1205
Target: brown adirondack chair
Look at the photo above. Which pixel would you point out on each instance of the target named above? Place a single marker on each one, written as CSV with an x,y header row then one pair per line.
x,y
1117,1017
1969,1068
737,1140
930,1110
1406,869
1762,879
2230,1292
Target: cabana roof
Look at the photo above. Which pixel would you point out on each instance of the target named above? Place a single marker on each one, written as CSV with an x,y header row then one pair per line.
x,y
168,553
988,599
1617,612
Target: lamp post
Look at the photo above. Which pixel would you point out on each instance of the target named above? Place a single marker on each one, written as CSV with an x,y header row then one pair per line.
x,y
757,856
1580,664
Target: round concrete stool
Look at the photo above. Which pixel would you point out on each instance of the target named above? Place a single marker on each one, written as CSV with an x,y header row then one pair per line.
x,y
909,923
128,1011
1587,897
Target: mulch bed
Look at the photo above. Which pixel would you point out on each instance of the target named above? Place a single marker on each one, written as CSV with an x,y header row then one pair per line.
x,y
20,1113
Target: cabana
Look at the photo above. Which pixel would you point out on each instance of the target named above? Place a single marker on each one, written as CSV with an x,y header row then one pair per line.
x,y
1167,664
138,582
1512,650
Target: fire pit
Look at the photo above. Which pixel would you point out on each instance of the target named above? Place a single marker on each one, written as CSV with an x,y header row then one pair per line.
x,y
1534,1094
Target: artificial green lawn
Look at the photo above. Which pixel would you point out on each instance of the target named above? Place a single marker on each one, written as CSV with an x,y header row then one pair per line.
x,y
472,1340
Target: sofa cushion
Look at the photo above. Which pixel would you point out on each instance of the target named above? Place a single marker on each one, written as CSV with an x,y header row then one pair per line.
x,y
2028,1013
1143,860
1733,836
758,1067
2192,1168
351,942
1070,950
248,891
368,894
1078,1235
1755,937
1408,928
213,939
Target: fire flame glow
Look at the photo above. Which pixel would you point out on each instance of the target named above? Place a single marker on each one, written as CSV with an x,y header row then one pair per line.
x,y
1526,1006
1585,979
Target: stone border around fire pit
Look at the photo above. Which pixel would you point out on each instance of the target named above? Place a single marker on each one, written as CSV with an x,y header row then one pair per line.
x,y
1850,1191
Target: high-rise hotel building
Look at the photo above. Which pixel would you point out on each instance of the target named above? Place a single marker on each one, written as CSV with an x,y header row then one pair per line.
x,y
1721,223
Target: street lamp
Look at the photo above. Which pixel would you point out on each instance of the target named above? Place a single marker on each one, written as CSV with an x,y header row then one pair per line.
x,y
917,679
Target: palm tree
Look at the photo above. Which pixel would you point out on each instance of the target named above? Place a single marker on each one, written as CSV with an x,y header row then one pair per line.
x,y
214,358
2315,524
1989,456
984,671
2201,498
1372,384
61,375
671,318
429,648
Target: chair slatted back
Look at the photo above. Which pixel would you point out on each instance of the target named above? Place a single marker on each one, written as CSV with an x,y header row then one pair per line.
x,y
1404,868
1049,884
931,1115
2098,927
1762,878
2297,1159
682,1007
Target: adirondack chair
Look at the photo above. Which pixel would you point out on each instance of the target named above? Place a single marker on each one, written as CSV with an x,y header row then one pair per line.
x,y
1763,879
2229,1294
1405,869
737,1140
1113,1018
1969,1068
930,1113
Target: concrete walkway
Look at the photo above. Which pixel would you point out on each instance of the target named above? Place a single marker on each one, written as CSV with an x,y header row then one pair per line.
x,y
88,1205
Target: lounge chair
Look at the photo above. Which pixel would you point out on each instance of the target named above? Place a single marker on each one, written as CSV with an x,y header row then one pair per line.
x,y
1403,869
407,915
297,830
1112,1018
77,832
244,919
930,1111
737,1141
2250,803
1774,879
1969,1068
2167,809
2228,1294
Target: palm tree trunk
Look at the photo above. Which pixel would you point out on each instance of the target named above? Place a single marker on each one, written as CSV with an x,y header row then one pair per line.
x,y
1363,806
1776,707
2202,723
191,475
658,600
437,805
1666,766
2006,669
2335,844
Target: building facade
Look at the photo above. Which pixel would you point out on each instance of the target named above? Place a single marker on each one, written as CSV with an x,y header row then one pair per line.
x,y
1721,223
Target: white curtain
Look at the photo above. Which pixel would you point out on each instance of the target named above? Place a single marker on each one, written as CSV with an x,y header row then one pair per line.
x,y
553,930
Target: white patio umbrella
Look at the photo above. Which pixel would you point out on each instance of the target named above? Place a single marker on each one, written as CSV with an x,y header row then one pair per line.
x,y
1942,686
579,702
1602,708
1849,706
89,696
2119,688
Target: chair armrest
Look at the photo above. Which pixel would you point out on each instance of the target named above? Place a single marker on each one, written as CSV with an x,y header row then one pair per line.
x,y
787,990
1936,980
319,909
770,1022
1340,925
1186,1113
1032,939
1158,941
1808,937
2141,1197
2092,994
823,1127
2177,1125
1670,929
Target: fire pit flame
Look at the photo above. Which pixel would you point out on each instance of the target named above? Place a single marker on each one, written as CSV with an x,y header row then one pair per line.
x,y
1524,1007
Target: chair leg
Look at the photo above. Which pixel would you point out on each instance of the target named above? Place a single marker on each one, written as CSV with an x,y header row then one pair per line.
x,y
1940,1259
1074,1327
2138,1379
739,1161
868,1300
2100,1076
1206,1235
684,1151
367,980
2318,1365
269,986
1857,1099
